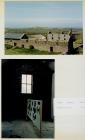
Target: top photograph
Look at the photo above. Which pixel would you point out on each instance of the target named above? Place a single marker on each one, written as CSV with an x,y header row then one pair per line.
x,y
43,28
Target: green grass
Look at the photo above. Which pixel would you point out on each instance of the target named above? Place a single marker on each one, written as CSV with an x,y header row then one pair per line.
x,y
78,43
24,51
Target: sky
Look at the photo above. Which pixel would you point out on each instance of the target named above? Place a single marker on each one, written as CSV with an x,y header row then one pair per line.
x,y
43,14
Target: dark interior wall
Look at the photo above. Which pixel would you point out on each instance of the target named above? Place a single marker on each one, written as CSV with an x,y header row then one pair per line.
x,y
13,101
8,90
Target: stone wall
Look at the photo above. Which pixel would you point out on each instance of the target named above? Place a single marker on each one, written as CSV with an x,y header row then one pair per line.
x,y
40,45
58,37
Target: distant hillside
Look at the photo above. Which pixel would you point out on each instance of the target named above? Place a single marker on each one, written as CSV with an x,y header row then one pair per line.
x,y
41,30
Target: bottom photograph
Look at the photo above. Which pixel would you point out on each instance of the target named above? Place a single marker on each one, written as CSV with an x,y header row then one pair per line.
x,y
27,98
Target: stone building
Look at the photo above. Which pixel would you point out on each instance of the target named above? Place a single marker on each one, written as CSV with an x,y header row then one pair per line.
x,y
21,40
38,41
62,37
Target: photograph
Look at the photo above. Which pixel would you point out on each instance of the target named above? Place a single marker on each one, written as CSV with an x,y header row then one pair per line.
x,y
43,27
27,107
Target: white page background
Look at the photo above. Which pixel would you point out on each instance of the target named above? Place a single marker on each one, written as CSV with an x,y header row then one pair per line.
x,y
69,103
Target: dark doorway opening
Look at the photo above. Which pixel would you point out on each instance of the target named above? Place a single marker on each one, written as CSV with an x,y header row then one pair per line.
x,y
15,44
51,49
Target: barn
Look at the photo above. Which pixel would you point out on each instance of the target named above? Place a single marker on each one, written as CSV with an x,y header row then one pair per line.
x,y
15,36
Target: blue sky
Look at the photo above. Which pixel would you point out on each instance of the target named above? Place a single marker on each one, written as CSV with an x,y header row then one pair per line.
x,y
43,14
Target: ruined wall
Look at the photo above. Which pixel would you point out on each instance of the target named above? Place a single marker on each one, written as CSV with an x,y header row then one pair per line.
x,y
58,37
40,45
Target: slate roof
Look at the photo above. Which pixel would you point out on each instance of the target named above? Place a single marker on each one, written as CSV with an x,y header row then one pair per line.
x,y
13,35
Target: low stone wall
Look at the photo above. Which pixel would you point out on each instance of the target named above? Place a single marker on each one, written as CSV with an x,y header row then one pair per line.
x,y
40,45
